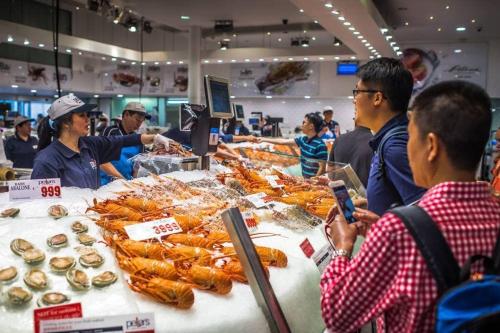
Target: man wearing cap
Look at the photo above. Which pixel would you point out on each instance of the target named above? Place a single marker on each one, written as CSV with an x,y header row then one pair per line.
x,y
133,116
332,125
68,153
21,147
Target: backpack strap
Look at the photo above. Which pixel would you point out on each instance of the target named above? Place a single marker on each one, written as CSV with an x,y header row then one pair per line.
x,y
396,131
432,245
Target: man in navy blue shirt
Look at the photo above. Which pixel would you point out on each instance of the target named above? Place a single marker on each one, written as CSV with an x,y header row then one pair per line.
x,y
313,152
381,100
21,147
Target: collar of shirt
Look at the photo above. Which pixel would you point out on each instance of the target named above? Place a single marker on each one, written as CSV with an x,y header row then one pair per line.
x,y
309,140
16,135
398,120
67,152
459,191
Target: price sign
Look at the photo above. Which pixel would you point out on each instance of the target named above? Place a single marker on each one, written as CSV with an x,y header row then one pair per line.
x,y
307,248
323,257
34,189
153,229
250,220
275,181
257,199
56,312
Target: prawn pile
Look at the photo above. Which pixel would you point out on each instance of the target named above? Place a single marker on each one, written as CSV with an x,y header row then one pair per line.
x,y
200,257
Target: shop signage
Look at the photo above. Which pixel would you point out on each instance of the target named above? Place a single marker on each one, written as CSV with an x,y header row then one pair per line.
x,y
323,257
32,189
65,311
153,229
132,323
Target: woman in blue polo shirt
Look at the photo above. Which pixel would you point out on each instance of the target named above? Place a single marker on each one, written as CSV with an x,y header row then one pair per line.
x,y
313,152
66,152
21,147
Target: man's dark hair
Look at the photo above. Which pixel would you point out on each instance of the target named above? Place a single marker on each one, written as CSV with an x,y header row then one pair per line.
x,y
315,119
390,76
459,113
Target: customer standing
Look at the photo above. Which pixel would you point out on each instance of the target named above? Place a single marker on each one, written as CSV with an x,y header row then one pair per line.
x,y
313,152
133,116
333,126
389,280
21,147
381,100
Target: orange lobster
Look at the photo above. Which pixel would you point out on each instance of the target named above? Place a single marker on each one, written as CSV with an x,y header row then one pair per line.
x,y
267,255
159,268
207,278
178,294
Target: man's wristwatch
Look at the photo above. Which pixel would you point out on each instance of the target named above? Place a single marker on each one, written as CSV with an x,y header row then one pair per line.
x,y
341,253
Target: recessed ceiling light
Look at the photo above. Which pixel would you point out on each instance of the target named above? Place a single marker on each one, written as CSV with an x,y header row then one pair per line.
x,y
307,97
399,53
275,59
373,51
383,30
113,59
105,74
350,97
407,24
10,39
431,17
388,37
347,23
473,21
77,8
143,63
261,59
353,57
360,37
301,10
268,33
279,39
370,47
336,58
14,86
447,7
231,97
269,97
185,17
313,38
352,28
461,28
26,42
321,58
226,39
316,21
458,51
41,45
305,31
206,61
33,90
119,95
56,96
247,60
169,62
341,18
356,32
328,5
181,62
439,29
306,58
96,96
234,35
392,43
80,53
379,56
68,51
157,63
334,12
367,44
290,59
395,48
233,60
371,57
103,58
363,41
219,61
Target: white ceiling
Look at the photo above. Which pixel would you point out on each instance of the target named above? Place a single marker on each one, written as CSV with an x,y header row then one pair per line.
x,y
486,14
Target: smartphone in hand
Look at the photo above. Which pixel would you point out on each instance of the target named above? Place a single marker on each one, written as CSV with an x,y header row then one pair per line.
x,y
344,202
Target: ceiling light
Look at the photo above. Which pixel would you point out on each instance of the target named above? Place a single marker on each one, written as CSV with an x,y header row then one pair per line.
x,y
367,44
301,10
321,58
306,58
337,42
353,57
233,60
352,28
458,51
113,59
275,59
461,29
226,40
10,39
363,41
33,91
347,23
77,8
219,61
181,62
269,97
313,38
56,96
169,63
132,28
157,63
224,45
206,61
371,57
231,97
341,18
399,53
26,42
439,29
392,43
68,50
356,32
304,43
268,33
305,31
41,45
124,61
360,37
133,63
261,59
316,21
103,58
143,63
334,12
407,24
383,30
96,96
373,51
105,74
447,7
395,48
328,5
473,21
247,60
350,97
388,37
185,17
290,59
307,97
80,53
336,58
370,47
379,56
279,39
234,35
14,86
119,95
431,17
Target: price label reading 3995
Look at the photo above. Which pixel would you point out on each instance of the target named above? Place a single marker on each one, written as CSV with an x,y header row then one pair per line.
x,y
153,229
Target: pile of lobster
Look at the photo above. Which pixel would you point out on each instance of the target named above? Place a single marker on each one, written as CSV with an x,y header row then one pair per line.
x,y
200,257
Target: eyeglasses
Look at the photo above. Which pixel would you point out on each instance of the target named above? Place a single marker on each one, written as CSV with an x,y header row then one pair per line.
x,y
355,92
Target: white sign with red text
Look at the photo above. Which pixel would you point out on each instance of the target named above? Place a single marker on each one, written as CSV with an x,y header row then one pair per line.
x,y
31,189
153,229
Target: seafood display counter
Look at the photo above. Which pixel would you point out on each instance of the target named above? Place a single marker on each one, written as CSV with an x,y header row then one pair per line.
x,y
73,253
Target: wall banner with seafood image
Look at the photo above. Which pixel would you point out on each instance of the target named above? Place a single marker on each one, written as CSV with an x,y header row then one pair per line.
x,y
433,63
31,75
126,79
299,78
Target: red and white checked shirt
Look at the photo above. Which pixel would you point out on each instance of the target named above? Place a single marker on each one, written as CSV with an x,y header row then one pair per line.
x,y
389,279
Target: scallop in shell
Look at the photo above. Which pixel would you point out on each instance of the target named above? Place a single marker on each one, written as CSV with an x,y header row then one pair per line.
x,y
78,227
59,240
8,274
86,239
78,279
10,212
91,260
57,211
52,298
33,256
61,264
104,279
36,279
19,246
18,296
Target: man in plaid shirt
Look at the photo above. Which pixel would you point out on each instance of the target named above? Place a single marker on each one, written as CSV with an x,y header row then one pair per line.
x,y
388,280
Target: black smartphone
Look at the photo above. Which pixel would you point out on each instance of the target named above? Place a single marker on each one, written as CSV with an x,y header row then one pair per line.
x,y
344,202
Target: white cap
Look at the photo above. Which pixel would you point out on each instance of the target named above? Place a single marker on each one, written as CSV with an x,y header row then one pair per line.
x,y
136,107
19,120
327,108
68,104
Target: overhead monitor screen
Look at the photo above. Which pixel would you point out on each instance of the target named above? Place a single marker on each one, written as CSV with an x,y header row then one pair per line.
x,y
347,67
218,97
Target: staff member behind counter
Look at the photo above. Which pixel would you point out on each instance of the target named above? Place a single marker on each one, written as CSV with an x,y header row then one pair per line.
x,y
21,147
72,155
